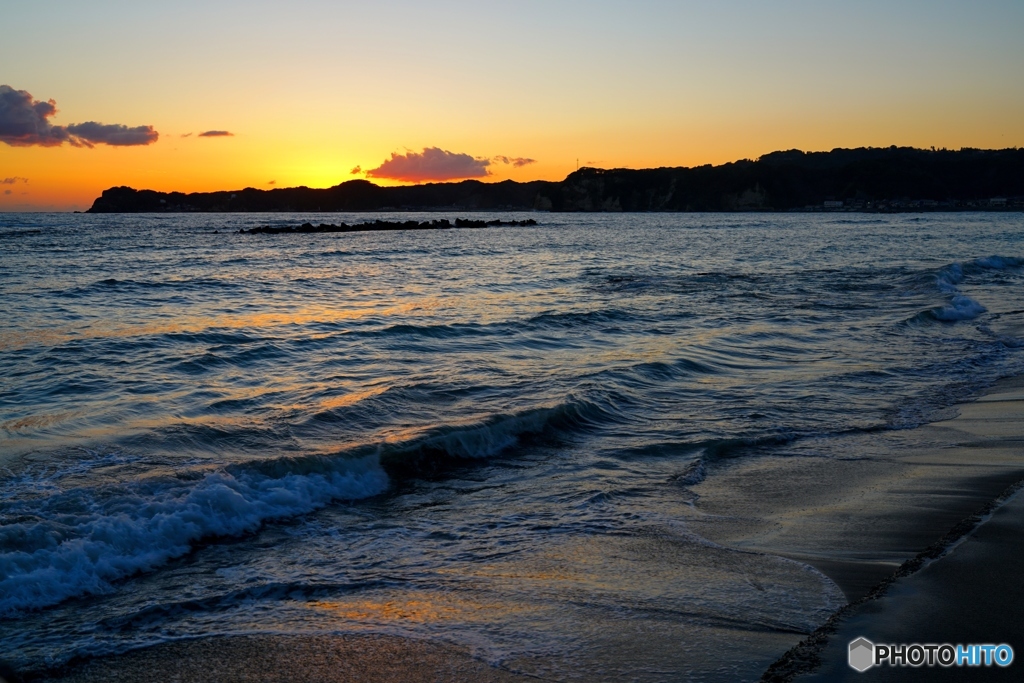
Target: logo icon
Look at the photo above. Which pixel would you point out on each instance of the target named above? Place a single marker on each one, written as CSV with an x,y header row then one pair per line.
x,y
862,654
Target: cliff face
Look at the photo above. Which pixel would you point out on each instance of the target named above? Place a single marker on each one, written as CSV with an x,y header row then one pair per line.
x,y
795,180
866,178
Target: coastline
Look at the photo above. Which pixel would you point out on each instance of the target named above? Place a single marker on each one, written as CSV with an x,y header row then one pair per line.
x,y
972,594
862,178
926,488
963,588
288,659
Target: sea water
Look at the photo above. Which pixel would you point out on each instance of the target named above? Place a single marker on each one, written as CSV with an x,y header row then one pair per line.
x,y
486,437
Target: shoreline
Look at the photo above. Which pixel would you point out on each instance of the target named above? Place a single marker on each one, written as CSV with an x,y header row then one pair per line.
x,y
909,497
970,594
955,590
521,210
806,660
369,658
473,210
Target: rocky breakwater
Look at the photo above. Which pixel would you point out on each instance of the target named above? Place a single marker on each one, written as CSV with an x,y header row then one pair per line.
x,y
442,224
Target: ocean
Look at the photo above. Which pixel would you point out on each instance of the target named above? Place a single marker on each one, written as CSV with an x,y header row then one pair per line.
x,y
492,437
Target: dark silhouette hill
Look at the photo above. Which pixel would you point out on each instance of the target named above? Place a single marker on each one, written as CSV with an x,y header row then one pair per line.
x,y
872,179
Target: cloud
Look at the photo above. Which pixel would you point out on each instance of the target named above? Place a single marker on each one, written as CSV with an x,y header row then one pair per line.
x,y
7,192
13,181
216,134
518,162
25,121
90,133
271,182
185,135
432,164
356,170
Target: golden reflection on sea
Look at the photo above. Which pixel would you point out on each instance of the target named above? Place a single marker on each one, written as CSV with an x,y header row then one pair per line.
x,y
197,323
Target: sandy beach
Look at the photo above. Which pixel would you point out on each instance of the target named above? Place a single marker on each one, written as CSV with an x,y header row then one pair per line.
x,y
965,587
919,539
607,343
291,659
973,594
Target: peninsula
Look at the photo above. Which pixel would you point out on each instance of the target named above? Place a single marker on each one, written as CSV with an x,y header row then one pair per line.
x,y
864,179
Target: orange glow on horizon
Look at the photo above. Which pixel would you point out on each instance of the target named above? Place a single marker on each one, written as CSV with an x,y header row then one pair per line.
x,y
67,178
686,84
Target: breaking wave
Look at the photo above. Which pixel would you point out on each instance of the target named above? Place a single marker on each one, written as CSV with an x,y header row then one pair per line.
x,y
948,280
72,541
79,540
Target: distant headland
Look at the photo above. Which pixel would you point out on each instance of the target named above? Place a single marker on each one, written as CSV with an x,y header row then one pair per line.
x,y
886,179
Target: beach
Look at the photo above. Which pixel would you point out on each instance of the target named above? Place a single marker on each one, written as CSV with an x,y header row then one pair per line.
x,y
586,343
967,590
292,659
937,563
636,447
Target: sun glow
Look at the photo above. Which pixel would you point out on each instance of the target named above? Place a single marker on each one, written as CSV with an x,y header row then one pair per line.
x,y
685,85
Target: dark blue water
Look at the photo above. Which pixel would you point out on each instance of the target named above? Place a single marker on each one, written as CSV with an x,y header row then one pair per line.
x,y
479,436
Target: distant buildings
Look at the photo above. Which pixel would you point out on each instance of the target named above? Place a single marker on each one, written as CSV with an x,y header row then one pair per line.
x,y
902,205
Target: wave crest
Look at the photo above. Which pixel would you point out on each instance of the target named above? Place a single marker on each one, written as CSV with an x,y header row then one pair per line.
x,y
79,541
948,280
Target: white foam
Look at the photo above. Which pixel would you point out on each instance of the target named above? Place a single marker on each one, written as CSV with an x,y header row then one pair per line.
x,y
960,307
79,541
949,277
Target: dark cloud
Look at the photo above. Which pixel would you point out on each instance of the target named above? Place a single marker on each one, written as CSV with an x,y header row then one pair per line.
x,y
13,181
186,135
91,133
25,121
216,134
518,162
432,164
7,192
356,170
271,182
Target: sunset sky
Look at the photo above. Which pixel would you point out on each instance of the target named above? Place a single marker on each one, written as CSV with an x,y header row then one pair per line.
x,y
305,93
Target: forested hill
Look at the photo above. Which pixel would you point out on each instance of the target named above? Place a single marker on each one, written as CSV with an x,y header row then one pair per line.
x,y
871,179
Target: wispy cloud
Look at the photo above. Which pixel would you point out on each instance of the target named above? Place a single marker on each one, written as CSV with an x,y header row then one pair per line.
x,y
356,170
13,181
271,182
432,164
25,121
216,134
517,162
186,135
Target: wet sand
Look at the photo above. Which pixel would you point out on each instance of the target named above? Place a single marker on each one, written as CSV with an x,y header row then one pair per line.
x,y
858,519
974,594
290,659
965,588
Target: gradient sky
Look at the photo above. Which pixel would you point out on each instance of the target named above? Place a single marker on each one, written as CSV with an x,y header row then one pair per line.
x,y
311,90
